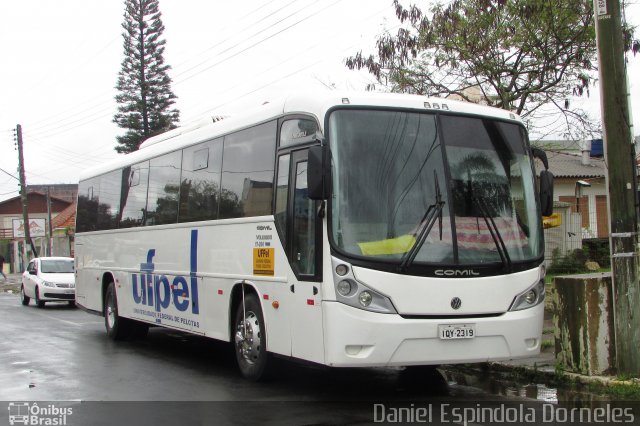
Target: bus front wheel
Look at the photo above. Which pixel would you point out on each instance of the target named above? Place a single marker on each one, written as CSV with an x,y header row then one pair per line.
x,y
250,339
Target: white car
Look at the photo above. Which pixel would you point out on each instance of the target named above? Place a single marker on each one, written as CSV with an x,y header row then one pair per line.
x,y
49,279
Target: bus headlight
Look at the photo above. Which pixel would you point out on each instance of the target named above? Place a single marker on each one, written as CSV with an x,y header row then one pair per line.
x,y
365,298
344,288
342,270
353,293
531,297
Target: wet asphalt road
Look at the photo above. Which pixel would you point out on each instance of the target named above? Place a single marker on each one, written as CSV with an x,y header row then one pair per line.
x,y
61,353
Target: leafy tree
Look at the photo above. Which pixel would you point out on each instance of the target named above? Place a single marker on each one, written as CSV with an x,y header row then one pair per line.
x,y
528,56
145,101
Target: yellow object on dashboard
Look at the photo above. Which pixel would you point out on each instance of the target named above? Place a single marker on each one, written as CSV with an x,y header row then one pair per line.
x,y
389,246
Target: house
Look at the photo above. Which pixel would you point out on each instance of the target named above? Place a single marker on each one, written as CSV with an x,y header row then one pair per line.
x,y
580,196
63,231
61,199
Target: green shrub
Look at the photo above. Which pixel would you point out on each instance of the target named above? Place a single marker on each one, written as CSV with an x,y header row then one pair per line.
x,y
597,249
572,262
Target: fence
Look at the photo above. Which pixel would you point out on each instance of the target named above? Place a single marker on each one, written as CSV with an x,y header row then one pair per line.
x,y
580,243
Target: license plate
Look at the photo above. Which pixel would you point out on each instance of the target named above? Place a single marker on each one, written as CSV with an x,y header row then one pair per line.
x,y
69,291
457,331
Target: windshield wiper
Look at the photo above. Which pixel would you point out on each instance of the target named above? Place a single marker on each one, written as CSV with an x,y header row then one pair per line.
x,y
434,211
495,233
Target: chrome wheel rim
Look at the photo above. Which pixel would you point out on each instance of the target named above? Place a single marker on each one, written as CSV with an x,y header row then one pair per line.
x,y
111,315
248,336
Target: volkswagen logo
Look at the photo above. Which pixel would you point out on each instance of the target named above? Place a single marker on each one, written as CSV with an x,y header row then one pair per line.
x,y
456,303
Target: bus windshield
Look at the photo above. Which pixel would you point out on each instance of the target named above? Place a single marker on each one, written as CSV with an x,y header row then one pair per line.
x,y
416,187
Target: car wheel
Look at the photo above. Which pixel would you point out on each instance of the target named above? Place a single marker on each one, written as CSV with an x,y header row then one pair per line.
x,y
250,339
118,328
24,299
72,303
39,303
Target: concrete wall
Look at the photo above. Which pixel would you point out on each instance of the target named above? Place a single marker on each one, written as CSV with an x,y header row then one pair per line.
x,y
584,328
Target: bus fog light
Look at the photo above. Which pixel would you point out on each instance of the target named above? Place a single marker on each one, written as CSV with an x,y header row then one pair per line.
x,y
365,298
344,287
531,297
342,270
531,343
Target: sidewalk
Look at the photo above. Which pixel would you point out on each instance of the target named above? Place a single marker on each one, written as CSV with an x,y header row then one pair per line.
x,y
12,283
545,366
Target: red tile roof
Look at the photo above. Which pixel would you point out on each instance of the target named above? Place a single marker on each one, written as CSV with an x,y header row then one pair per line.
x,y
65,219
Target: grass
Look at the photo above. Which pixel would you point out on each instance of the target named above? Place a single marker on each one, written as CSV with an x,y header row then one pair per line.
x,y
546,344
617,391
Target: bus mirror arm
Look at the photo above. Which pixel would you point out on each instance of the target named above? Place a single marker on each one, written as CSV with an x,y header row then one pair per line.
x,y
541,155
321,209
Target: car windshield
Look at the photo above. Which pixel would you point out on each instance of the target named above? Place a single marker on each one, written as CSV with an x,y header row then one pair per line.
x,y
57,266
445,190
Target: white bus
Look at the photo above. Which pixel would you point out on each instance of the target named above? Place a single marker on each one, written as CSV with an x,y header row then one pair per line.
x,y
345,229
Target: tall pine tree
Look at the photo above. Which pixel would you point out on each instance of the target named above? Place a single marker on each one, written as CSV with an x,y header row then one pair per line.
x,y
145,101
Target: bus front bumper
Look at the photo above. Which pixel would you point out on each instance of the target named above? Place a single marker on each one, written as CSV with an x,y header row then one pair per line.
x,y
356,338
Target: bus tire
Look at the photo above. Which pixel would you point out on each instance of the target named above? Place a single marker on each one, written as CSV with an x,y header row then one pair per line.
x,y
250,339
118,328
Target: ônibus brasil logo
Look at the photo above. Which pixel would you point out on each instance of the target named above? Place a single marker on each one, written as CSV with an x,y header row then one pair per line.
x,y
26,413
155,290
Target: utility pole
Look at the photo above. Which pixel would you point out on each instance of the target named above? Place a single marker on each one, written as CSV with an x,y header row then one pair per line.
x,y
23,197
622,185
49,227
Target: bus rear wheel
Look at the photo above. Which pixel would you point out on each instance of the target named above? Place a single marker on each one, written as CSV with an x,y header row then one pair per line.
x,y
250,339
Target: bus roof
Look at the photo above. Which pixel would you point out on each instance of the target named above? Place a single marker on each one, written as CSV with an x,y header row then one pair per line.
x,y
312,103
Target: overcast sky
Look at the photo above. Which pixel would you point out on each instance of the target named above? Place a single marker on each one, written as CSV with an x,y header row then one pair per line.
x,y
61,60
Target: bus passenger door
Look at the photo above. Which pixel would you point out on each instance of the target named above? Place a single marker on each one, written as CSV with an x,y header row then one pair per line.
x,y
304,252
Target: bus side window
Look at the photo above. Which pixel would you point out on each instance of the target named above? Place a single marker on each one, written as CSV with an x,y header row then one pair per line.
x,y
134,196
282,190
304,225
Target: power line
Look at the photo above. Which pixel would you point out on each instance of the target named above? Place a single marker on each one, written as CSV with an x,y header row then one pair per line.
x,y
6,172
263,40
40,124
243,40
100,113
251,25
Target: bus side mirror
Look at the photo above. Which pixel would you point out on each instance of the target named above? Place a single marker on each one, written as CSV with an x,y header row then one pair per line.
x,y
546,183
546,193
318,182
